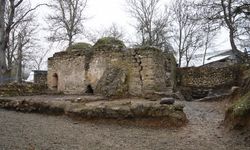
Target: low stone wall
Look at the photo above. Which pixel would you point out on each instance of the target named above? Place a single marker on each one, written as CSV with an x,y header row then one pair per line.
x,y
25,89
40,77
207,77
152,112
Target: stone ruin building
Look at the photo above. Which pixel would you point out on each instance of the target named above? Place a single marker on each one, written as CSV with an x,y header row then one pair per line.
x,y
110,69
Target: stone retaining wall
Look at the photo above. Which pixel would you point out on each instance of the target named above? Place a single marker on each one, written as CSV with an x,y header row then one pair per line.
x,y
207,77
14,89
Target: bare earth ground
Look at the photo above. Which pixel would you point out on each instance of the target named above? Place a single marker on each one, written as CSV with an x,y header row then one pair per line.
x,y
203,132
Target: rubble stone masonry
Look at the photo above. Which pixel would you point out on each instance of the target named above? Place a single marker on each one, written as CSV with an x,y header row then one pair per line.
x,y
147,70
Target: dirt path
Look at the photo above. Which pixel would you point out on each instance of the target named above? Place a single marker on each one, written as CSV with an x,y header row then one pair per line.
x,y
34,131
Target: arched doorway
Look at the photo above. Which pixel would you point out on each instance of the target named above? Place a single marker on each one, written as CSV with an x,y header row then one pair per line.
x,y
55,81
89,89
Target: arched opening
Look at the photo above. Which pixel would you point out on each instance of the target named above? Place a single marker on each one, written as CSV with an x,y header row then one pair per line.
x,y
55,81
89,90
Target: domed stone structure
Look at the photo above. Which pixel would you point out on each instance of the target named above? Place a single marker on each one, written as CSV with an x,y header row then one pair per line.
x,y
79,46
109,43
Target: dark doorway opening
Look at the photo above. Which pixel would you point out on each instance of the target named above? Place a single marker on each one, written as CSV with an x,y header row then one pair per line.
x,y
89,90
55,81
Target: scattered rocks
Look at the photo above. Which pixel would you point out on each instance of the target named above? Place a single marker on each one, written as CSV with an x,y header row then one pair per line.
x,y
199,93
178,95
168,101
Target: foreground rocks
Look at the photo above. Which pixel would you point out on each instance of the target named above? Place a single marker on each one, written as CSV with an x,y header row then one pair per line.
x,y
129,109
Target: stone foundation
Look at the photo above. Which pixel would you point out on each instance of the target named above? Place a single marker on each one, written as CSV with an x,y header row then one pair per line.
x,y
151,112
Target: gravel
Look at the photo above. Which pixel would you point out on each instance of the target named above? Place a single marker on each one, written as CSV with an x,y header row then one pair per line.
x,y
203,132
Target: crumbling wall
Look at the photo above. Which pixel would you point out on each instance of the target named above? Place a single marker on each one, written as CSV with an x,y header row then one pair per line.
x,y
151,72
66,72
147,70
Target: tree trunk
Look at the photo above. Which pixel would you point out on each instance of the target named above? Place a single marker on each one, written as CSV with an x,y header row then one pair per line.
x,y
227,10
234,47
3,67
179,65
19,60
70,41
206,47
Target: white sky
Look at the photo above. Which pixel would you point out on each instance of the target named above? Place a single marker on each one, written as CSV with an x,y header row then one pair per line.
x,y
101,14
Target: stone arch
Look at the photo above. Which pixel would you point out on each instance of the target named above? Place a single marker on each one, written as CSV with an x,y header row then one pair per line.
x,y
55,81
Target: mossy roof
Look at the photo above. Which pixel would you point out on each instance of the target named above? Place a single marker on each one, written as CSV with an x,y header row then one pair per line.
x,y
79,46
109,43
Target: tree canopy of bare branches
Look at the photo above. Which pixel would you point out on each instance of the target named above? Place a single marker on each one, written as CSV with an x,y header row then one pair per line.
x,y
187,35
66,20
151,24
14,13
232,14
113,31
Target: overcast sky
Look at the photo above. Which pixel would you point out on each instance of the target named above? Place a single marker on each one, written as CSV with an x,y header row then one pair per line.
x,y
101,14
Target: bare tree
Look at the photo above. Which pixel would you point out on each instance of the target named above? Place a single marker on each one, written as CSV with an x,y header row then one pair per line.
x,y
210,33
36,60
66,21
3,66
21,38
187,34
151,24
25,45
232,14
7,18
209,28
114,31
11,18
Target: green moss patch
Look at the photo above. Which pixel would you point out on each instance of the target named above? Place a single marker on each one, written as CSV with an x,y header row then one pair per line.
x,y
107,43
242,107
79,46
